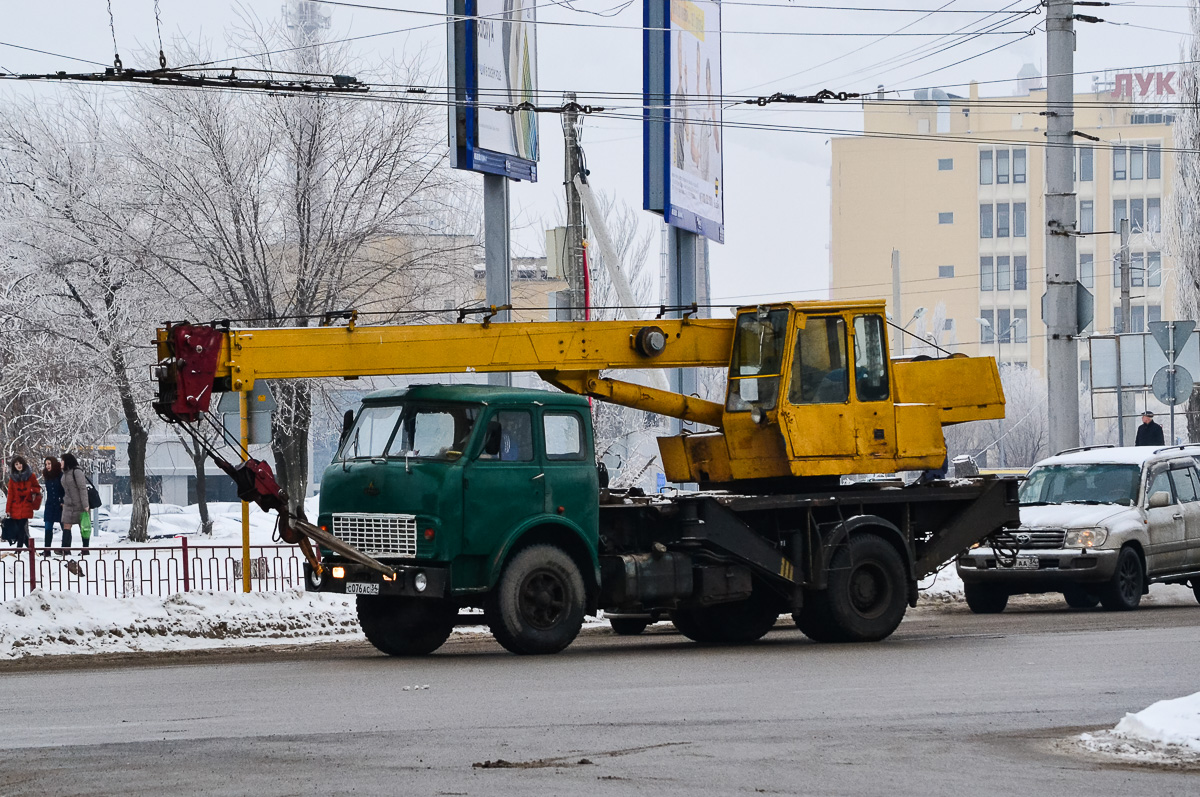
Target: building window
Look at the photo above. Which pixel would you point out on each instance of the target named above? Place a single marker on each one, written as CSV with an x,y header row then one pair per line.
x,y
1087,217
986,330
1087,271
1003,326
1153,314
1137,270
985,221
986,275
1137,214
1018,220
1021,330
985,167
1120,211
1137,322
1018,166
945,272
945,164
1003,273
948,325
1085,164
1153,161
1002,166
1020,273
1002,227
1119,159
1136,163
945,218
1153,214
1154,269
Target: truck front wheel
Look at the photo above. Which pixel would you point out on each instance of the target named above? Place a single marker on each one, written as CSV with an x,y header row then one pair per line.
x,y
537,606
866,597
401,626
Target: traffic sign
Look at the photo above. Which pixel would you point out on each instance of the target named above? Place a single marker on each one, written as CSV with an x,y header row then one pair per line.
x,y
1161,330
1172,392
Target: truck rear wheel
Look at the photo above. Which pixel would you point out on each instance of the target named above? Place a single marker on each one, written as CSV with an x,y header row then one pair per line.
x,y
867,594
401,626
537,606
813,620
628,626
736,623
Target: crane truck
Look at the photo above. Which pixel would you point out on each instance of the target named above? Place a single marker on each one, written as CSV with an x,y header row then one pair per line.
x,y
447,497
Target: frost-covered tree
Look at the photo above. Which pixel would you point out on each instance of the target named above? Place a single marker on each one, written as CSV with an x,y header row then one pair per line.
x,y
1024,431
1183,235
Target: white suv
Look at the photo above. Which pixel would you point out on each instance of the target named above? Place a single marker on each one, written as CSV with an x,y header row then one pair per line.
x,y
1099,525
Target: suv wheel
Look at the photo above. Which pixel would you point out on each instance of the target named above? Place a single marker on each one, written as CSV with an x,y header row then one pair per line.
x,y
1196,588
985,598
1124,592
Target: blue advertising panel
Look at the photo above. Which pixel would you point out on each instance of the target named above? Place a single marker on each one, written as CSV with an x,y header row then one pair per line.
x,y
683,144
492,51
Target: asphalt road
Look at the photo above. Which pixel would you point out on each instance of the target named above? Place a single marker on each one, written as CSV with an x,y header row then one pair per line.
x,y
952,704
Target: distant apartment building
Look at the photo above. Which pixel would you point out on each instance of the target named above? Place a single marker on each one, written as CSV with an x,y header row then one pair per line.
x,y
954,185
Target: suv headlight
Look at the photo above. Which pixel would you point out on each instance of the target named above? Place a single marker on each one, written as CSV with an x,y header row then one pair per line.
x,y
1085,538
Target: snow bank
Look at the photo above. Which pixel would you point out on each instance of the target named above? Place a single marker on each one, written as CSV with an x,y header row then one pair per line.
x,y
1168,732
55,623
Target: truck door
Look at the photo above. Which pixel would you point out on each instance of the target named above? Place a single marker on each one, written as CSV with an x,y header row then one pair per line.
x,y
571,479
1168,538
874,413
504,484
816,412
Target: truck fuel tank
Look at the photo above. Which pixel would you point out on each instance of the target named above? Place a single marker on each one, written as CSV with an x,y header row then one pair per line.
x,y
634,580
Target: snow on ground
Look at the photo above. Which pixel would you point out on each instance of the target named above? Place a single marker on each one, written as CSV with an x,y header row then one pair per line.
x,y
1168,732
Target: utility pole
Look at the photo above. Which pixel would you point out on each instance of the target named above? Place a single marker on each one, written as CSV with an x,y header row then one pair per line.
x,y
1126,327
572,123
1062,316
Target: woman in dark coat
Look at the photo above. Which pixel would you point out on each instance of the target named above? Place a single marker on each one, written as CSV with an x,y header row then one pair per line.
x,y
75,499
24,496
52,512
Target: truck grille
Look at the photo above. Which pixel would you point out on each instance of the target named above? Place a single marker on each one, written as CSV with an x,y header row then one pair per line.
x,y
1025,539
378,535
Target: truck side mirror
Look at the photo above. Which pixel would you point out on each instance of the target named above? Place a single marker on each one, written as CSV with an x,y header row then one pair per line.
x,y
1160,499
491,441
602,474
347,425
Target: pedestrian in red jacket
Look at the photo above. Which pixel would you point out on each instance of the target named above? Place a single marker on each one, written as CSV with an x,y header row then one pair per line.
x,y
24,496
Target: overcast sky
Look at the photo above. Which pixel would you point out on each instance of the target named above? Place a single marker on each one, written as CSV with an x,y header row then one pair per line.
x,y
777,181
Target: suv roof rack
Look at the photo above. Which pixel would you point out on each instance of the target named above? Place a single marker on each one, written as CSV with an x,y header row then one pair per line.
x,y
1085,448
1172,448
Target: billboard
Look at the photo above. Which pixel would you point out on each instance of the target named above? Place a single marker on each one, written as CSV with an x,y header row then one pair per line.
x,y
492,53
682,137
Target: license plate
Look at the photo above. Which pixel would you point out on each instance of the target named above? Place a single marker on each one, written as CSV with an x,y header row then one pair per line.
x,y
1026,563
355,588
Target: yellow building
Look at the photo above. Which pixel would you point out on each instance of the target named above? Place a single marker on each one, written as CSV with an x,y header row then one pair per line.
x,y
954,185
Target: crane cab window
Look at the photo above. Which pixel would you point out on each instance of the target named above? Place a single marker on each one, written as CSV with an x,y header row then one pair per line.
x,y
371,432
564,436
509,438
819,371
870,359
434,432
757,360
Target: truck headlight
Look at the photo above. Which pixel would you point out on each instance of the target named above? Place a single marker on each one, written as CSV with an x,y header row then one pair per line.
x,y
420,582
1085,538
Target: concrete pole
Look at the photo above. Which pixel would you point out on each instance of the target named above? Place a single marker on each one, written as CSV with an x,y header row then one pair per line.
x,y
1126,326
497,268
576,233
897,313
244,438
1062,356
682,252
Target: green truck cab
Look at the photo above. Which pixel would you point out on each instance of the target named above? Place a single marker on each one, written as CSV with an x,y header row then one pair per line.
x,y
449,484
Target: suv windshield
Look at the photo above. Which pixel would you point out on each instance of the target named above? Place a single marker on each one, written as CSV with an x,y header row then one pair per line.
x,y
410,430
1085,484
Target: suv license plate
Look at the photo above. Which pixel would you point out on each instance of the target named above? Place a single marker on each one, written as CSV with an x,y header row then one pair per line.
x,y
1021,563
355,588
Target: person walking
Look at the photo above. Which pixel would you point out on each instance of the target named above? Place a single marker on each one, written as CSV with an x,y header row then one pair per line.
x,y
75,501
1149,433
24,496
52,512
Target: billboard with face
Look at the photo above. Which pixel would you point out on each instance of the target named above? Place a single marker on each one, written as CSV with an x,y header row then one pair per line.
x,y
493,62
684,147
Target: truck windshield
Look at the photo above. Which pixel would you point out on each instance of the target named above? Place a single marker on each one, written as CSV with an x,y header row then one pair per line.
x,y
432,432
1081,484
757,360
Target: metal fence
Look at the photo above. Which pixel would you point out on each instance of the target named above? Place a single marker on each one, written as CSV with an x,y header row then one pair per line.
x,y
126,571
